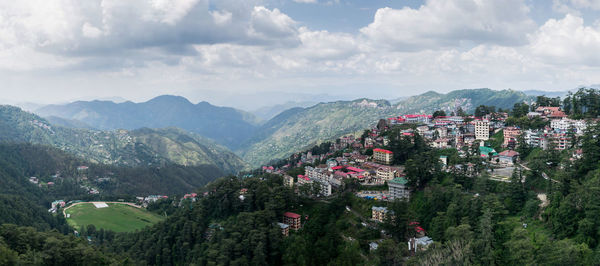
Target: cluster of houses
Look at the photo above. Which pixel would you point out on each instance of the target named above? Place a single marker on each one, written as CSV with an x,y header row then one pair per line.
x,y
456,131
144,201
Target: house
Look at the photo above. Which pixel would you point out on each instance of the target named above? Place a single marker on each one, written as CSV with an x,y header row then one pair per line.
x,y
379,213
508,157
285,229
373,246
510,135
383,156
302,179
288,181
398,188
293,220
440,143
419,244
386,172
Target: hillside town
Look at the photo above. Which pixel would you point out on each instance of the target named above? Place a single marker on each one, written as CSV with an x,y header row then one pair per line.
x,y
368,161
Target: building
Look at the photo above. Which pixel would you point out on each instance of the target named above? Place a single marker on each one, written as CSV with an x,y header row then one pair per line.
x,y
566,124
293,220
419,244
482,129
441,143
285,229
383,156
510,135
508,157
288,181
379,213
398,188
386,172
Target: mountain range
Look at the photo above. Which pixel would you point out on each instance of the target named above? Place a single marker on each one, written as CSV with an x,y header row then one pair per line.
x,y
138,147
226,126
258,142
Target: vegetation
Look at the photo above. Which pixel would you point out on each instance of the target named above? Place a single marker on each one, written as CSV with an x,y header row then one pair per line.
x,y
226,126
116,217
131,148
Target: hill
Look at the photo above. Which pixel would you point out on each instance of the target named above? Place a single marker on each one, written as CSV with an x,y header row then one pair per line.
x,y
466,99
298,128
119,147
227,126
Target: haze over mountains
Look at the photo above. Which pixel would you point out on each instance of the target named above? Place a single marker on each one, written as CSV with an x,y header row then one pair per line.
x,y
259,141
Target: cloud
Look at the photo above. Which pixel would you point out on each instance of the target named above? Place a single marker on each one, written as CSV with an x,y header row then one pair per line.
x,y
271,25
306,1
567,41
450,23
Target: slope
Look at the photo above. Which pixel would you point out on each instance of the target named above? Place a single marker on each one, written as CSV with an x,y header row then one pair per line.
x,y
227,126
120,147
298,128
466,99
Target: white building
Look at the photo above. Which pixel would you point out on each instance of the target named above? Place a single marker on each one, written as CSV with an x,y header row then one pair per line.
x,y
398,188
482,129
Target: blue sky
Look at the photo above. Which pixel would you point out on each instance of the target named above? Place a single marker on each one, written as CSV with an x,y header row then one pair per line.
x,y
229,51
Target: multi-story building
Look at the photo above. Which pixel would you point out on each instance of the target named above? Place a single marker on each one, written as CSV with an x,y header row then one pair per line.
x,y
482,129
510,135
379,213
383,156
285,229
386,172
293,220
398,188
566,124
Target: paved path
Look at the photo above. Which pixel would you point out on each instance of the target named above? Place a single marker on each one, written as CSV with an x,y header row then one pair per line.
x,y
92,202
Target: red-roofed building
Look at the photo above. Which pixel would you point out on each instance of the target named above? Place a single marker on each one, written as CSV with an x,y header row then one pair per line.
x,y
383,156
293,220
508,157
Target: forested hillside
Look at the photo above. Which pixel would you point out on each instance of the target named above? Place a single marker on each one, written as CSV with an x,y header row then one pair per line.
x,y
121,147
299,128
468,100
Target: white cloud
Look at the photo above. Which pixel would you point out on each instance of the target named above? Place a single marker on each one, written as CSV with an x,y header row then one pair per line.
x,y
567,41
271,25
444,23
90,31
306,1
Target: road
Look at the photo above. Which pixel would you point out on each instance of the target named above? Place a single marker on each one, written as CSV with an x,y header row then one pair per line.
x,y
544,175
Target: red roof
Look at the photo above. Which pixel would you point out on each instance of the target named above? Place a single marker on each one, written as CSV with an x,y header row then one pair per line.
x,y
354,169
337,167
509,153
382,150
291,215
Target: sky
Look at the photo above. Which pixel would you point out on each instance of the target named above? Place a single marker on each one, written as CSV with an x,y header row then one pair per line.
x,y
253,53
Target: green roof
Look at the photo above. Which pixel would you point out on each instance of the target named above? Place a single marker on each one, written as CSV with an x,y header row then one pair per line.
x,y
399,180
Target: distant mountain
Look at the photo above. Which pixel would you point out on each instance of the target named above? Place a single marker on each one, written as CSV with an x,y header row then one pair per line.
x,y
269,112
227,126
468,100
551,94
118,147
299,128
63,122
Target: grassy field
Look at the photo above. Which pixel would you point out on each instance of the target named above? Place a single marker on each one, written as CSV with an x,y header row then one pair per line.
x,y
116,217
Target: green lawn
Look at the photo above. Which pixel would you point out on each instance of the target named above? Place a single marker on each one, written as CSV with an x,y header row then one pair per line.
x,y
116,217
